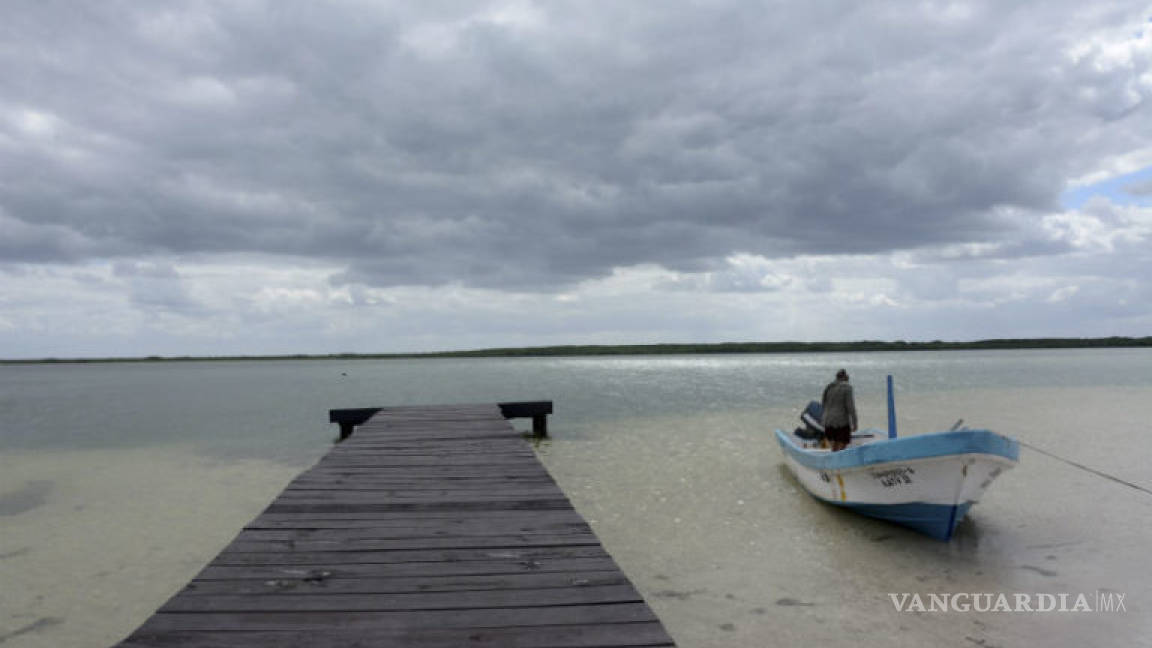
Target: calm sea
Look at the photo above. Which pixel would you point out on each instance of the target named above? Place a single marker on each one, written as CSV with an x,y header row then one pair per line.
x,y
119,481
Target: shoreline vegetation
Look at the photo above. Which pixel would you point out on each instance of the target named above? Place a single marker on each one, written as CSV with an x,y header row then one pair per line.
x,y
653,349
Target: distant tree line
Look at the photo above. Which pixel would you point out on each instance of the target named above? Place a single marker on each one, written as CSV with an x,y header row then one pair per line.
x,y
664,349
803,347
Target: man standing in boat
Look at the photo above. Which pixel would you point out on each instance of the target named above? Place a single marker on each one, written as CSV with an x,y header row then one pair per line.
x,y
839,417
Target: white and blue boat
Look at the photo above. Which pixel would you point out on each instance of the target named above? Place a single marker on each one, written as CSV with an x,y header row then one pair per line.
x,y
926,482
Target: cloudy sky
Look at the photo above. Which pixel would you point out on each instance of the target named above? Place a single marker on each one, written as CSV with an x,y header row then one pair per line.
x,y
279,177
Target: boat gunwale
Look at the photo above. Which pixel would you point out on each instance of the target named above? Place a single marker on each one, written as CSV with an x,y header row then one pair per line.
x,y
923,446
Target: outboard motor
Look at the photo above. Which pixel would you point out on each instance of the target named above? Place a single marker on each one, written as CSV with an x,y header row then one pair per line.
x,y
810,417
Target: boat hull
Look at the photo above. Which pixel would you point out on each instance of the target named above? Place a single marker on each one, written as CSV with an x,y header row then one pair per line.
x,y
926,482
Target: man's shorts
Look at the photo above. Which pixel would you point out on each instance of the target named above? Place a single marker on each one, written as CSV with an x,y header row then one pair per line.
x,y
838,434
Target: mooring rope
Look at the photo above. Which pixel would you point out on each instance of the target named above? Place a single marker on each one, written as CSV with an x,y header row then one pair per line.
x,y
1091,470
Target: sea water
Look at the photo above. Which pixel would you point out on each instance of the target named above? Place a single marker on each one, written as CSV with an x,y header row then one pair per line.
x,y
118,482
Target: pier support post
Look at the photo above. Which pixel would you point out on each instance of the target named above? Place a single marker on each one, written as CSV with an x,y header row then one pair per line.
x,y
540,426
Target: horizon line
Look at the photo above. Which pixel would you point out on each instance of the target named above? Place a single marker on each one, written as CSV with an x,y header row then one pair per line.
x,y
663,348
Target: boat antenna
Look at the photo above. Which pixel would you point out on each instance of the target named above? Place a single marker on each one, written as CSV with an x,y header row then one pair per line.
x,y
891,411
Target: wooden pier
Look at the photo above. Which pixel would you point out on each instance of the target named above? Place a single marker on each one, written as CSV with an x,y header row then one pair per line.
x,y
430,526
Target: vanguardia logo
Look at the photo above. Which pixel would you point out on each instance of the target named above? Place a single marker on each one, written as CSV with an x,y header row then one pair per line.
x,y
1099,601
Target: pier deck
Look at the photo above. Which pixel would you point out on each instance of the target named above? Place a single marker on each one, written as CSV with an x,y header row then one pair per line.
x,y
430,526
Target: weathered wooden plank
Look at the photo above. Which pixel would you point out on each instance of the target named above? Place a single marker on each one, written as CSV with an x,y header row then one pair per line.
x,y
301,584
427,460
329,601
430,526
392,524
420,441
344,480
433,529
370,481
244,544
509,475
323,473
462,485
393,491
414,439
436,431
550,515
443,500
366,452
399,528
405,533
395,528
423,486
368,507
431,470
415,474
404,555
469,618
216,571
427,408
386,418
462,433
523,464
429,450
616,635
501,457
464,499
442,459
433,426
355,495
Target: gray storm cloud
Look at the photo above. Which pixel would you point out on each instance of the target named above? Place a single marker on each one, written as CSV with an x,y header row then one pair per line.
x,y
529,145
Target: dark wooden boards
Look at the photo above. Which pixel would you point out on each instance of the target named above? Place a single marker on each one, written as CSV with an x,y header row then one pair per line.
x,y
429,526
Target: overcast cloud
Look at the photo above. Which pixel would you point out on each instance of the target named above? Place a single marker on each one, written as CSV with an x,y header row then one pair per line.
x,y
276,177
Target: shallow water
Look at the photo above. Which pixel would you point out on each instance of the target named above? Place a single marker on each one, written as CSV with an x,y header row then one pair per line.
x,y
730,551
118,482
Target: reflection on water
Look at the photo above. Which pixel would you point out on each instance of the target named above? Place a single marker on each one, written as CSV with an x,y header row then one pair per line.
x,y
110,505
